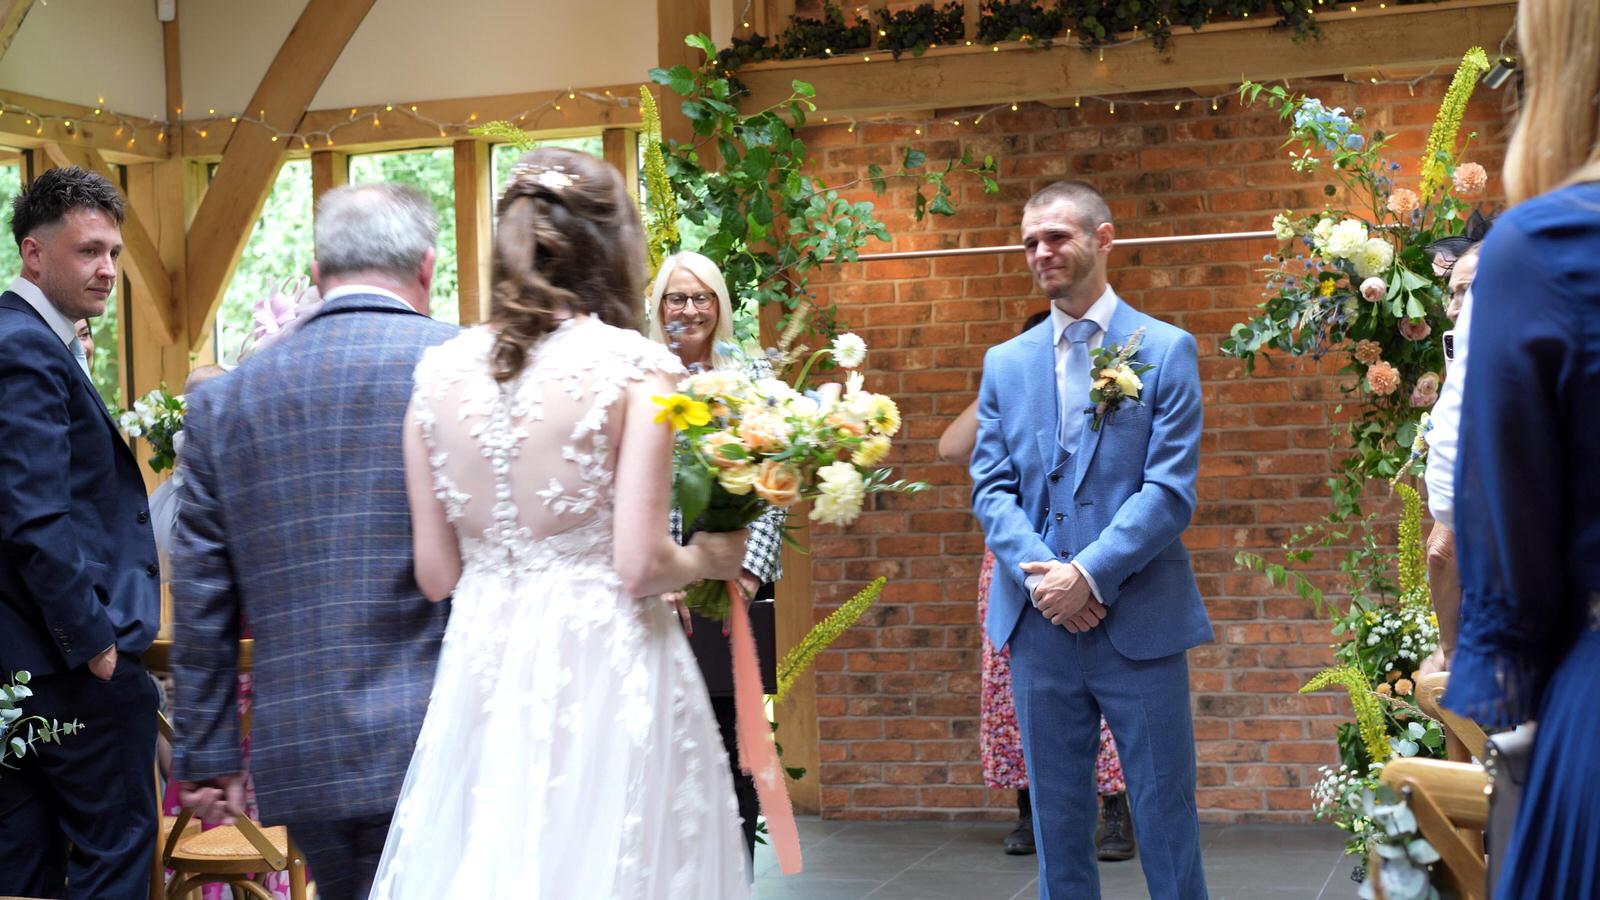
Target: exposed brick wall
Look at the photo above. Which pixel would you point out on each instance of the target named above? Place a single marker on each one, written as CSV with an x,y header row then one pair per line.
x,y
898,696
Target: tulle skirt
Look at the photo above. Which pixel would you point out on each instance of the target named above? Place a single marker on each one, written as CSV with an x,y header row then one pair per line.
x,y
569,751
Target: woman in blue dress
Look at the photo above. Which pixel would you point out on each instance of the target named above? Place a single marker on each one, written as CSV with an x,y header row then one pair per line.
x,y
1528,472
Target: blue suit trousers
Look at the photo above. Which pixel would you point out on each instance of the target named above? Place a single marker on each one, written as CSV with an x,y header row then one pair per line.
x,y
1063,683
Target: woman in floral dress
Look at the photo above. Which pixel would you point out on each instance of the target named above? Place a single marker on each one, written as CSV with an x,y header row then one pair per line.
x,y
999,741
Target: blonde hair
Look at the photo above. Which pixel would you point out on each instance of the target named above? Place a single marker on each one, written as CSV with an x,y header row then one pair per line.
x,y
1557,137
709,275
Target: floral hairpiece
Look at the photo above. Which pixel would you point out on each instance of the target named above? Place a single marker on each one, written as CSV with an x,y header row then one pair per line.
x,y
554,178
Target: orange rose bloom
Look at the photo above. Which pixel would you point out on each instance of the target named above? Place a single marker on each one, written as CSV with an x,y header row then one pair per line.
x,y
714,443
778,483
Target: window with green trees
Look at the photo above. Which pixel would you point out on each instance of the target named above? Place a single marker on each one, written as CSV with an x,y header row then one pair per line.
x,y
279,248
432,172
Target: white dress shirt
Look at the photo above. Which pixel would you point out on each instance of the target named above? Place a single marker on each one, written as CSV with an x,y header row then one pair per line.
x,y
1100,313
1445,429
58,323
346,290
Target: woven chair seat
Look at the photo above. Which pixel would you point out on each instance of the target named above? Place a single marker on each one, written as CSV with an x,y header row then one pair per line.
x,y
226,841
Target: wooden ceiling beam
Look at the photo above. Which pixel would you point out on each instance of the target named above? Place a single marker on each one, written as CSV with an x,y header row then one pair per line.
x,y
35,122
1224,53
140,253
580,113
252,156
12,12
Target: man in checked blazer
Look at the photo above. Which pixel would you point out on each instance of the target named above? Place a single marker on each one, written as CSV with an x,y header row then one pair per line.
x,y
294,523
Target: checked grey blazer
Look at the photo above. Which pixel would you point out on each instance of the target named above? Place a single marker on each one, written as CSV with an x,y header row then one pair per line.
x,y
295,524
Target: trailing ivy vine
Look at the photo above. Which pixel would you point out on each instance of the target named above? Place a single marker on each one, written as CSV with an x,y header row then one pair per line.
x,y
747,203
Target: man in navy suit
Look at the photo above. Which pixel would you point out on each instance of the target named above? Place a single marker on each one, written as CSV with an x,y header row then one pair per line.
x,y
294,516
79,584
1083,508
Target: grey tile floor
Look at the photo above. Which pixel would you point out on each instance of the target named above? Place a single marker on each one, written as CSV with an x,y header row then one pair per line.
x,y
963,861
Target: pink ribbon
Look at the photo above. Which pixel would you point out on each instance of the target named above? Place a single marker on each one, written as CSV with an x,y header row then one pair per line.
x,y
757,755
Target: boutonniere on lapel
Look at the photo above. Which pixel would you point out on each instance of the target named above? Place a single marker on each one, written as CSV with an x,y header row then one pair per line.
x,y
1116,378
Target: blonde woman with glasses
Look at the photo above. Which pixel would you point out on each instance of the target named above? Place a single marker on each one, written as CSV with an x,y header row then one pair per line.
x,y
691,313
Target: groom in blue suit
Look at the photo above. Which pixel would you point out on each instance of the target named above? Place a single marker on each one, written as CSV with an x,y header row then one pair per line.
x,y
1084,509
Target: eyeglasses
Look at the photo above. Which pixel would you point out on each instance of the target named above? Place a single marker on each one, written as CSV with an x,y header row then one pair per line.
x,y
702,301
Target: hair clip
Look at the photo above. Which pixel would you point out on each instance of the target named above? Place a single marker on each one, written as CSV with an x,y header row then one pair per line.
x,y
551,177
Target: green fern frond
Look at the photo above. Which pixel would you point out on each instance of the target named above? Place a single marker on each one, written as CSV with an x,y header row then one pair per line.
x,y
502,130
1413,570
824,633
1369,712
661,204
1442,139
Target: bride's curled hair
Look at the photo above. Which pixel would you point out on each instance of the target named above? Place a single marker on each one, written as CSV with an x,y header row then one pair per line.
x,y
567,241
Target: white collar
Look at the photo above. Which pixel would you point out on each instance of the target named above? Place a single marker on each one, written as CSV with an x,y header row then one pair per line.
x,y
346,290
1099,313
58,323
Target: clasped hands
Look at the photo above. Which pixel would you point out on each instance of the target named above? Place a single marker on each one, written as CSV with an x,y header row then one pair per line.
x,y
216,801
1064,595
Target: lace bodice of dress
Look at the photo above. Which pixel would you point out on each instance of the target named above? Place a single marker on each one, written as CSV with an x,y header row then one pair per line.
x,y
525,468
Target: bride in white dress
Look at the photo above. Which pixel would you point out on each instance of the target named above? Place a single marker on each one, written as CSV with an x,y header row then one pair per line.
x,y
569,750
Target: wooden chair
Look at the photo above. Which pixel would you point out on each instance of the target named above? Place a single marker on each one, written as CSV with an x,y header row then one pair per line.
x,y
228,854
169,826
1448,798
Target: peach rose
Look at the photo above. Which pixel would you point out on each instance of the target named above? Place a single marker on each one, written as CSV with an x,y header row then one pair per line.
x,y
778,483
739,480
1415,329
765,430
1426,393
714,443
1383,378
1368,352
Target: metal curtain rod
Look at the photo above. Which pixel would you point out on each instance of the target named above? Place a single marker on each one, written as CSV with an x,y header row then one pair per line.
x,y
1017,248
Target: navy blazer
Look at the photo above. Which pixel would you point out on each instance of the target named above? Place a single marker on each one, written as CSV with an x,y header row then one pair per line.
x,y
77,560
295,519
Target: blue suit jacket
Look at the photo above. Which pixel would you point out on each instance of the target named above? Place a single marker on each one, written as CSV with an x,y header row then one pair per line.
x,y
1117,507
294,518
77,560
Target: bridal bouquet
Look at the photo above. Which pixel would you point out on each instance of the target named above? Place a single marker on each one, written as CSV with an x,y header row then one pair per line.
x,y
156,417
746,444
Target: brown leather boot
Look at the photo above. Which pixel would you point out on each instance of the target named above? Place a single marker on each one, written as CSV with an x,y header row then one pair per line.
x,y
1113,840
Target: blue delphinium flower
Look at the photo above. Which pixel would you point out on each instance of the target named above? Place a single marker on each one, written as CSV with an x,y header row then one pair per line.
x,y
1354,142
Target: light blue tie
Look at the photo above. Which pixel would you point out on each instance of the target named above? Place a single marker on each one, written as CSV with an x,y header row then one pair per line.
x,y
1075,381
78,354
